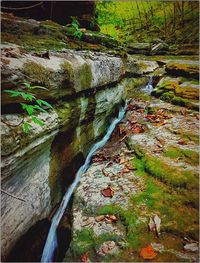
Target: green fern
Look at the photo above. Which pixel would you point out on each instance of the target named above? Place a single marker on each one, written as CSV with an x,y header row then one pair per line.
x,y
40,105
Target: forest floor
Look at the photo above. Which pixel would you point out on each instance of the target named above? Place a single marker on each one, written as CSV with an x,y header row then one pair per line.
x,y
139,198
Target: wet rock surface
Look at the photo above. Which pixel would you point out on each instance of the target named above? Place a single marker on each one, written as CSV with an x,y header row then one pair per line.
x,y
149,168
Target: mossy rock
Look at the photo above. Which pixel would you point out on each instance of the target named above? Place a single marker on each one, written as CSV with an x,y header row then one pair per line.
x,y
170,90
185,70
38,73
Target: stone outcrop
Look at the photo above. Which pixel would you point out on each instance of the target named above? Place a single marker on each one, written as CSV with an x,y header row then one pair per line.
x,y
139,67
84,88
38,181
183,68
179,90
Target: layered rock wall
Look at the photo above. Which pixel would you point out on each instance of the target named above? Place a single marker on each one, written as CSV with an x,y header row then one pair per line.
x,y
84,89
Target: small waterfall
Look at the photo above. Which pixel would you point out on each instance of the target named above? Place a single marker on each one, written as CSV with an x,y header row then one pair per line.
x,y
149,87
51,242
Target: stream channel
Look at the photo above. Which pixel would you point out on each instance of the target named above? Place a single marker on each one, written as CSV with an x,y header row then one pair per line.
x,y
49,239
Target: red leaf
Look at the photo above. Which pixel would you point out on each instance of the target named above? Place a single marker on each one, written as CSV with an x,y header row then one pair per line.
x,y
182,142
85,257
148,252
108,192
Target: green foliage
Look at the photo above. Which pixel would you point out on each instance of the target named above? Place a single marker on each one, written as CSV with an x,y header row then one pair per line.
x,y
144,21
29,108
73,29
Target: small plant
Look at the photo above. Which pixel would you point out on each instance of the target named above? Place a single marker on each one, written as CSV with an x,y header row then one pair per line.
x,y
74,28
30,109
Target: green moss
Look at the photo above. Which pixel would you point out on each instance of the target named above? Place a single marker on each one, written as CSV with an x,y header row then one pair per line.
x,y
189,156
86,76
185,70
41,43
192,81
68,73
83,241
169,175
171,204
86,241
191,137
38,73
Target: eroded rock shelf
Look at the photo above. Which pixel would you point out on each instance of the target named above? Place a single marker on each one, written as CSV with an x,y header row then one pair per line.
x,y
148,169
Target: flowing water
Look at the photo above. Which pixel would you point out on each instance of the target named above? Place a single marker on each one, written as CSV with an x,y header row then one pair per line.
x,y
149,87
51,242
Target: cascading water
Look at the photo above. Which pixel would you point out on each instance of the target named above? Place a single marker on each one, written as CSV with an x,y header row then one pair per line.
x,y
149,87
51,242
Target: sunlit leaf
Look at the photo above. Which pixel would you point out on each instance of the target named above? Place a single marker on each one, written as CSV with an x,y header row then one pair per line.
x,y
28,108
26,127
37,107
37,121
42,102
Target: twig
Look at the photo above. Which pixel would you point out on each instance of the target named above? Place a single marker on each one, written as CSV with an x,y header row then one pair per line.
x,y
14,196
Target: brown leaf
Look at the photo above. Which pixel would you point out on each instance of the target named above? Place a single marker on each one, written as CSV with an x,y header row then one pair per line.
x,y
108,192
122,160
87,222
159,123
125,170
85,257
113,218
105,172
130,167
151,225
148,252
182,142
99,218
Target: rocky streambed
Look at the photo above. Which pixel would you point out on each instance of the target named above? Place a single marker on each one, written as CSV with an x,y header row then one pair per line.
x,y
141,189
148,171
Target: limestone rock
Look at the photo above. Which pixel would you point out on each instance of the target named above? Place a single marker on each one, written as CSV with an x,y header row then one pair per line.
x,y
139,48
140,67
184,69
193,247
63,74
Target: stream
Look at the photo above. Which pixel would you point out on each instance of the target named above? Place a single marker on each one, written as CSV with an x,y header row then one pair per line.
x,y
51,242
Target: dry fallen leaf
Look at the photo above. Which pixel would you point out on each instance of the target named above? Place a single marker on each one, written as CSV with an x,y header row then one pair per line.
x,y
154,225
130,167
182,142
157,222
87,222
151,225
105,172
108,192
112,218
125,170
148,252
85,257
99,218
